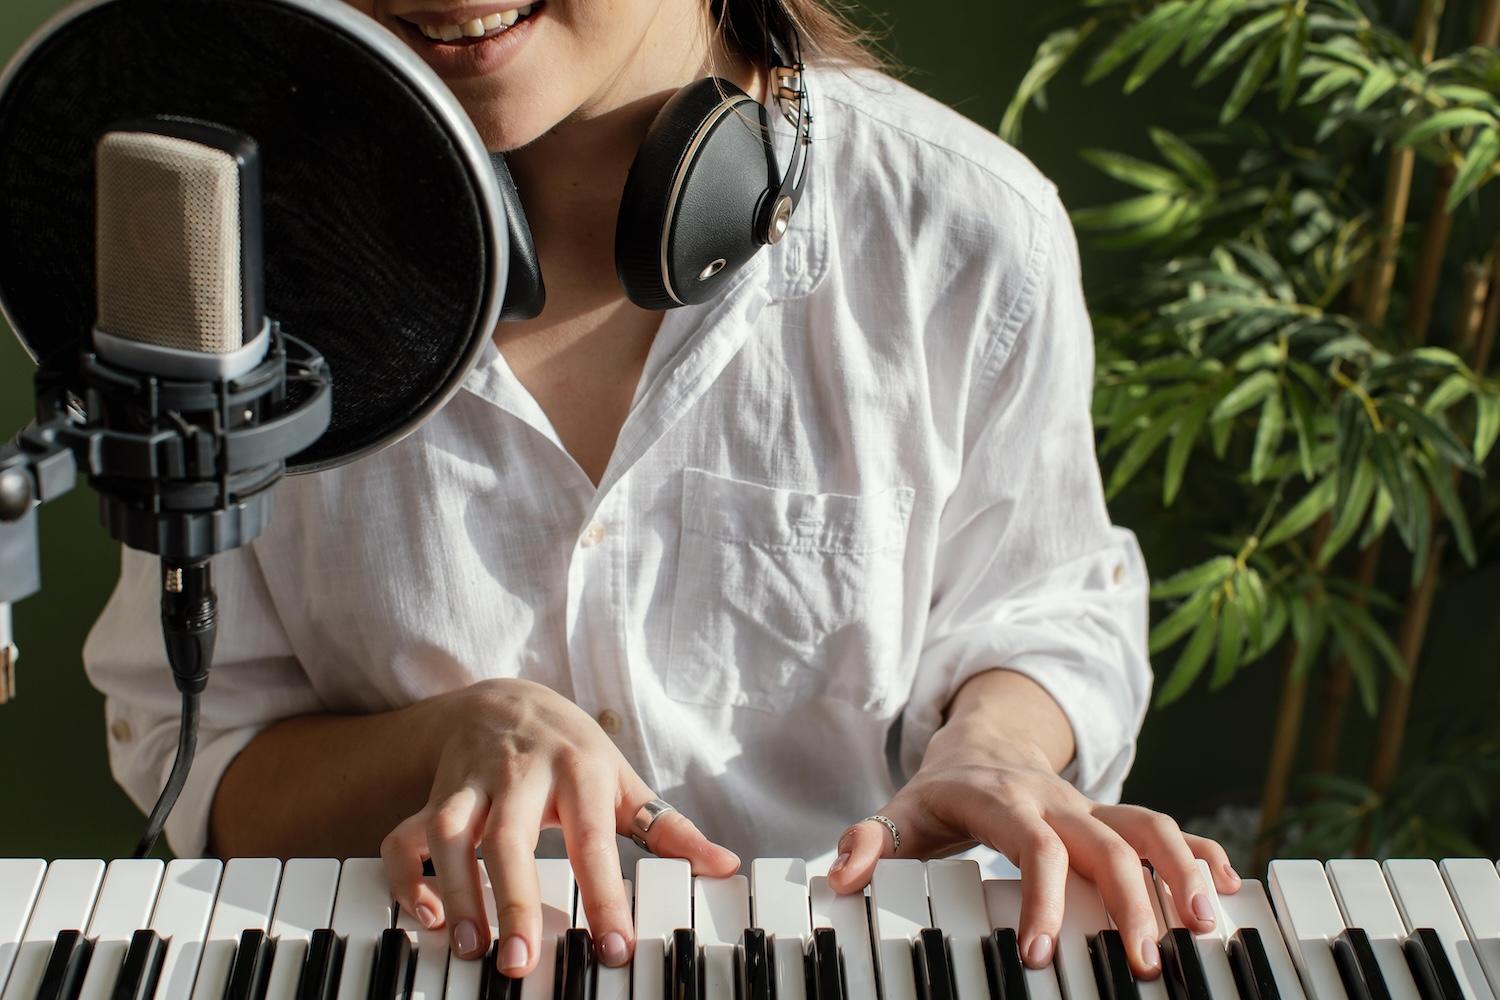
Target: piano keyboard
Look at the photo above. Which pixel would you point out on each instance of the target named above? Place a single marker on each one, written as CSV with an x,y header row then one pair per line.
x,y
315,929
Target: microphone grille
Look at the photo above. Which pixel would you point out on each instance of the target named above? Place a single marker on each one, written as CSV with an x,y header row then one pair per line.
x,y
168,248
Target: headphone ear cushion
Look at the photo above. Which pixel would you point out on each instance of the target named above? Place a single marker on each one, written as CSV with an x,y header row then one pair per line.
x,y
688,213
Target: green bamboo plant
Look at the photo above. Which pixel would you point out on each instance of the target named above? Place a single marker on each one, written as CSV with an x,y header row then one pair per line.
x,y
1304,358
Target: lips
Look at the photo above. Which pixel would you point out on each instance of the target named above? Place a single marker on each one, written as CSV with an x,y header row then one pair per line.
x,y
470,49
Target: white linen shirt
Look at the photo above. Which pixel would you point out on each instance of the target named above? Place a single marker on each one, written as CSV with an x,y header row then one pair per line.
x,y
859,476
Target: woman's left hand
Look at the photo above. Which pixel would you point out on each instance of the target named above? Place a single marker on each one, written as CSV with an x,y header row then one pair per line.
x,y
976,786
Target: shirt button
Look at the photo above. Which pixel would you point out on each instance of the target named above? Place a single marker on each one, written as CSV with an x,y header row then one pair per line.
x,y
120,730
609,722
592,535
1119,572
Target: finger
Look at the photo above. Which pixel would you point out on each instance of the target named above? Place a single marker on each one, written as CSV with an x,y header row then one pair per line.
x,y
862,845
401,853
1038,851
1102,855
1159,839
589,831
1226,879
509,842
673,835
453,827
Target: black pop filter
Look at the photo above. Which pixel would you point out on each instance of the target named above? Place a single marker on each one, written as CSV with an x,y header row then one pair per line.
x,y
386,242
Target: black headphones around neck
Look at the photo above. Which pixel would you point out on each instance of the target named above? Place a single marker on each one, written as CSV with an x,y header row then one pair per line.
x,y
703,195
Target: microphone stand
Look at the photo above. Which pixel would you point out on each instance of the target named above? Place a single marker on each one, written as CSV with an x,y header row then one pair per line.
x,y
184,470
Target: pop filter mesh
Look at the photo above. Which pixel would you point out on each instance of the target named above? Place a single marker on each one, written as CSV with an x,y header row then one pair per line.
x,y
377,234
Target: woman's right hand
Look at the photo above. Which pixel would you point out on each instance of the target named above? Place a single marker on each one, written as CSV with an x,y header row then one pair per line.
x,y
521,758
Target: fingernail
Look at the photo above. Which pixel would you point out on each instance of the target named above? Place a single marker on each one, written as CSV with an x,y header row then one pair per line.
x,y
1149,954
426,916
513,955
1234,876
839,862
1040,952
612,949
1202,908
466,938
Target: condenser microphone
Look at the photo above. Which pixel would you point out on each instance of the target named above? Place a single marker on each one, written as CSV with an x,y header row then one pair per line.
x,y
178,250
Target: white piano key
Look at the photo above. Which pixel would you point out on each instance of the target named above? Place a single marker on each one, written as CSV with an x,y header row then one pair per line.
x,y
1310,920
303,904
125,902
247,894
1250,907
1152,989
663,903
1002,901
555,881
1083,917
1366,903
64,902
609,983
849,917
181,917
955,894
721,912
361,913
20,881
1474,885
464,974
779,905
1423,900
898,912
430,952
1212,945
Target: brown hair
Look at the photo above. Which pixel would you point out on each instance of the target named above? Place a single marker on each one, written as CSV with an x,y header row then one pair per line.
x,y
826,30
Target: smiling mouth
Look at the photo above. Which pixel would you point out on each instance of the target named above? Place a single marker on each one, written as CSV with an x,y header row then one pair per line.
x,y
476,29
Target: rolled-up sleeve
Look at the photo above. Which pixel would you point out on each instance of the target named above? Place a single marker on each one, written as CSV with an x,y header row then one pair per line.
x,y
1030,574
255,681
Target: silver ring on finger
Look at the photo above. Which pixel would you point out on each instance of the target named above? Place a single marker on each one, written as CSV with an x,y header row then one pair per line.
x,y
646,817
885,821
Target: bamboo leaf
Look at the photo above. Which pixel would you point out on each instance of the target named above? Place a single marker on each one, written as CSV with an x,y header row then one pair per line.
x,y
1128,43
1302,423
1230,645
1245,395
1250,80
1352,432
1447,497
1487,423
1238,43
1361,665
1380,516
1395,473
1137,452
1310,626
1194,578
1476,166
1312,506
1185,433
1432,431
1376,86
1446,121
1122,214
1452,389
1185,158
1054,52
1168,40
1351,512
1190,664
1133,171
1334,79
1293,44
1180,621
1377,637
1267,436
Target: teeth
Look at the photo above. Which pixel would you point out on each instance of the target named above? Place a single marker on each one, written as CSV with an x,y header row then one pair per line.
x,y
477,27
449,32
432,32
474,28
493,21
510,17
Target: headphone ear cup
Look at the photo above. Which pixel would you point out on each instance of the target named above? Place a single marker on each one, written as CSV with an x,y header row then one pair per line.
x,y
693,196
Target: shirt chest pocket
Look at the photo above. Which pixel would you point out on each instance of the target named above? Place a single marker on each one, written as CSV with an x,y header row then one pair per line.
x,y
783,596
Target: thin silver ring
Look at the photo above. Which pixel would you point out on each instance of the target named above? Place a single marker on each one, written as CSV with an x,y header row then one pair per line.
x,y
646,817
886,822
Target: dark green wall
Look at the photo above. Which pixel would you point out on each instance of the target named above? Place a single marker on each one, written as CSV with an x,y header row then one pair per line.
x,y
56,794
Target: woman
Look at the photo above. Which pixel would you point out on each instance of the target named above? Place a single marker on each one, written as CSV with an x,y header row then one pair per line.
x,y
828,545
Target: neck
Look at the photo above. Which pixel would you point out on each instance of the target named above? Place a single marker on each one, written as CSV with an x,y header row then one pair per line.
x,y
570,178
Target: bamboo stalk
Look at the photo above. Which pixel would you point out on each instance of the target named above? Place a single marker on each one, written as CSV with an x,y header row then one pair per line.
x,y
1338,680
1283,753
1489,24
1430,259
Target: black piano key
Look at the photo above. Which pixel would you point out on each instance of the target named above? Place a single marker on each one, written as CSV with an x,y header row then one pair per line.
x,y
320,971
934,970
684,977
1003,966
576,966
494,984
828,966
251,967
1181,966
67,963
1252,966
753,971
1430,966
1356,959
1112,967
141,968
394,965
